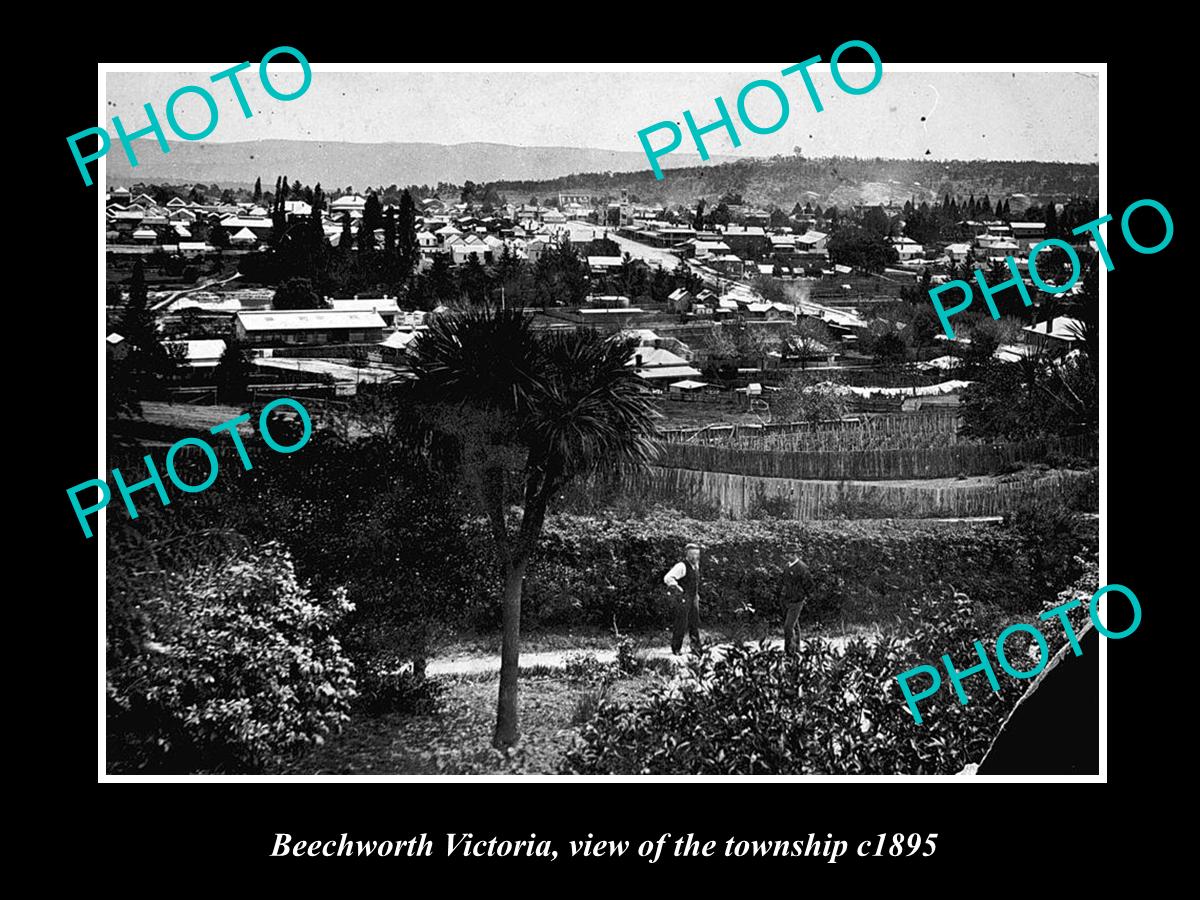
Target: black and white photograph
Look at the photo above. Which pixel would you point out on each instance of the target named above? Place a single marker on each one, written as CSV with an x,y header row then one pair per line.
x,y
653,421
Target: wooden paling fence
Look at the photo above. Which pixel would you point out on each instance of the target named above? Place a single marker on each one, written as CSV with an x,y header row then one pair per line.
x,y
947,461
888,428
737,496
868,433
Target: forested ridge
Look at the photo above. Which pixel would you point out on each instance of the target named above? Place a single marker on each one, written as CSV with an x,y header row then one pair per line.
x,y
841,180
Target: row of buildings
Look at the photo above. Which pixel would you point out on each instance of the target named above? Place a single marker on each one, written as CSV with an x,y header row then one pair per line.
x,y
139,225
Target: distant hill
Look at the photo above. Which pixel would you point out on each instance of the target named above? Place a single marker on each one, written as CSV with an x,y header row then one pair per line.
x,y
844,181
339,164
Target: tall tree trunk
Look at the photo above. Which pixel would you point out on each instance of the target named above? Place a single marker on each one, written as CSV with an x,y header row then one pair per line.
x,y
507,706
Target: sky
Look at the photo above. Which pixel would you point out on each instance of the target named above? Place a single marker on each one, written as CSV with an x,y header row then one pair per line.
x,y
953,115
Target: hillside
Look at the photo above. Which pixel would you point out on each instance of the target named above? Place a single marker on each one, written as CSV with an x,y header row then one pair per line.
x,y
343,163
784,181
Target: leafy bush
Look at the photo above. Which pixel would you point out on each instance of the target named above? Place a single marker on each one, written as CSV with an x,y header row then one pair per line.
x,y
757,711
586,668
234,666
384,689
1052,539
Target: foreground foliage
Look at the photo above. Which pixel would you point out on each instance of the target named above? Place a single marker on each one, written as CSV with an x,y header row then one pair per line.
x,y
759,712
226,665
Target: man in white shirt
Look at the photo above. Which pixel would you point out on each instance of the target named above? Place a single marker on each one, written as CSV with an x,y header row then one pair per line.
x,y
684,580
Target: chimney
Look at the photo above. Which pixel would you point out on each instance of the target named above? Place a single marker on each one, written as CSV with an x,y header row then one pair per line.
x,y
637,361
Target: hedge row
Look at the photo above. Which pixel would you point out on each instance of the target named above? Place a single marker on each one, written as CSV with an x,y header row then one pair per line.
x,y
590,570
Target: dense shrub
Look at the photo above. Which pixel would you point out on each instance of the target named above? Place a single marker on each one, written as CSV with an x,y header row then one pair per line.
x,y
586,668
384,688
1053,539
757,711
590,570
1033,398
225,666
353,514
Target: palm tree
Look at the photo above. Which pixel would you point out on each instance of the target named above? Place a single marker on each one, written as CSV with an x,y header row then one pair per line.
x,y
517,410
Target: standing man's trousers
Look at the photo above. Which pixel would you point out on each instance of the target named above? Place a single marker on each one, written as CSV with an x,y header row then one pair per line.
x,y
791,626
687,619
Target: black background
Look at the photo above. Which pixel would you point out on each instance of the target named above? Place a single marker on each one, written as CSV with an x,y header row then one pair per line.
x,y
218,836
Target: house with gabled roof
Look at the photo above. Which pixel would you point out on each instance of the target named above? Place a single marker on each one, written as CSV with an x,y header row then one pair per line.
x,y
1057,336
680,300
658,365
281,327
353,204
812,241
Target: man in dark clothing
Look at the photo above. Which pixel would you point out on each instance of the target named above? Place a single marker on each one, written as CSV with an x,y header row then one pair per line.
x,y
684,579
795,586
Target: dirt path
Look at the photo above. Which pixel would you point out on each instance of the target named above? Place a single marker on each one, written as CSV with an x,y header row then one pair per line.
x,y
556,659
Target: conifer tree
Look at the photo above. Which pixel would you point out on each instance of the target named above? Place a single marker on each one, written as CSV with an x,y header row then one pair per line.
x,y
148,362
389,232
318,206
372,218
1051,218
441,280
409,252
232,374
